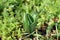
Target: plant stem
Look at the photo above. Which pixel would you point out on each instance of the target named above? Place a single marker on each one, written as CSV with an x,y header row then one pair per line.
x,y
57,31
28,35
36,34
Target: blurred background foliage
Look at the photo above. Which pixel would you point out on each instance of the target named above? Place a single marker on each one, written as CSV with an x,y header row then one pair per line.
x,y
38,11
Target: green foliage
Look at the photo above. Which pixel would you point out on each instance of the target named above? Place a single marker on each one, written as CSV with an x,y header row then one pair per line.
x,y
29,23
28,13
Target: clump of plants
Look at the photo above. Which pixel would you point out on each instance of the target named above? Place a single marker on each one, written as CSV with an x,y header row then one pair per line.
x,y
29,19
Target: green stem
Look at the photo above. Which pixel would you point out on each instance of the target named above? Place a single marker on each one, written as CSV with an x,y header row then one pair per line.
x,y
57,31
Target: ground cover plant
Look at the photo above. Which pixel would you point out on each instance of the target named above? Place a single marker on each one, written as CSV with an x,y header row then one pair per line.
x,y
29,19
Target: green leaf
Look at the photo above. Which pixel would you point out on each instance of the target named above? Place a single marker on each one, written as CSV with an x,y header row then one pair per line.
x,y
28,23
